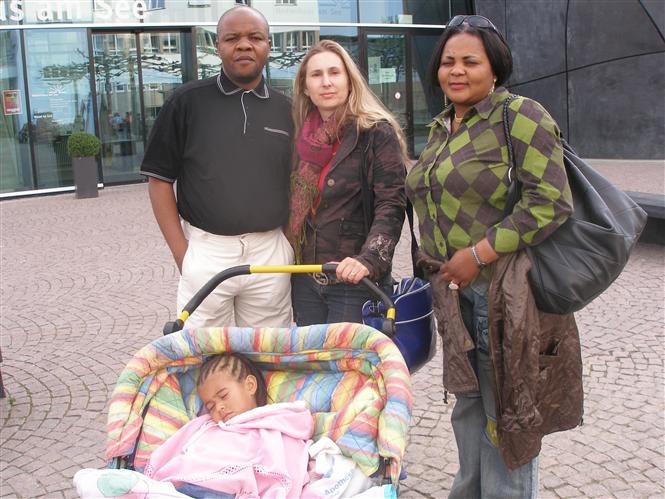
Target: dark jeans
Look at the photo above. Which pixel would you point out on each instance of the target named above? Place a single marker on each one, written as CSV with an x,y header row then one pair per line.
x,y
317,304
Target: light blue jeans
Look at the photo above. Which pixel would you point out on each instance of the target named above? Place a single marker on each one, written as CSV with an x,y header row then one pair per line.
x,y
482,472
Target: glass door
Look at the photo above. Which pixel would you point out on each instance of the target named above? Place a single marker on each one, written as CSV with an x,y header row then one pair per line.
x,y
59,100
162,71
427,102
396,63
388,76
118,105
134,74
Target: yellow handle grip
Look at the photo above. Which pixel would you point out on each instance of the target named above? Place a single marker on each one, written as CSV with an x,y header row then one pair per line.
x,y
281,269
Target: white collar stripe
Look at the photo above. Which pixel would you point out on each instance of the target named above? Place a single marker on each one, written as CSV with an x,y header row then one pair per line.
x,y
235,90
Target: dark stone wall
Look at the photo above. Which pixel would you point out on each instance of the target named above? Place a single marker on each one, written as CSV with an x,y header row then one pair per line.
x,y
618,107
598,66
551,93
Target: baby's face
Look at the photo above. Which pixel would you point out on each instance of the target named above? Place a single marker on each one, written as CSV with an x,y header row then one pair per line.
x,y
225,397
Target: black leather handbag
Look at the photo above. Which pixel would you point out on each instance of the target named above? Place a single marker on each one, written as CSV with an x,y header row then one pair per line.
x,y
580,259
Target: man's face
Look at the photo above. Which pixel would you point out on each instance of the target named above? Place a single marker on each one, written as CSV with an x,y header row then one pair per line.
x,y
243,45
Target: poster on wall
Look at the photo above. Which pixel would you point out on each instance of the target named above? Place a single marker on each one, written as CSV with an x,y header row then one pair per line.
x,y
11,102
374,70
388,75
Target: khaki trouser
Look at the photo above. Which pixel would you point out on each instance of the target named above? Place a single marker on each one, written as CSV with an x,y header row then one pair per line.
x,y
258,300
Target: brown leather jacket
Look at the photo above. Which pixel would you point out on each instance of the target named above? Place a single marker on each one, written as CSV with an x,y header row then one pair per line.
x,y
338,229
536,358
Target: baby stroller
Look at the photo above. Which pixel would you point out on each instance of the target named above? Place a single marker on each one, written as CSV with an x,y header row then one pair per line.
x,y
353,378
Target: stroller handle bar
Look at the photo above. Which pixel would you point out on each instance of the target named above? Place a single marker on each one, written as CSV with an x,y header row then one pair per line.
x,y
387,328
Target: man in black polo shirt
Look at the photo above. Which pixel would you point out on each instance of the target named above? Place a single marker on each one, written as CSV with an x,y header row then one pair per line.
x,y
226,144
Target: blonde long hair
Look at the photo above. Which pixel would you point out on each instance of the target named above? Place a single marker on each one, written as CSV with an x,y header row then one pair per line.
x,y
362,105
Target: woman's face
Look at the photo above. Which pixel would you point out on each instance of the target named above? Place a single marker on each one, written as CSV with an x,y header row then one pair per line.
x,y
225,396
327,82
465,73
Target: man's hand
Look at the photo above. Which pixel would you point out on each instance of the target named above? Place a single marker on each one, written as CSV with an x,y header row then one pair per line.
x,y
162,199
179,255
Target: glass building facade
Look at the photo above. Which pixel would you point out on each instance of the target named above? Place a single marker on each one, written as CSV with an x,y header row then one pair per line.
x,y
107,66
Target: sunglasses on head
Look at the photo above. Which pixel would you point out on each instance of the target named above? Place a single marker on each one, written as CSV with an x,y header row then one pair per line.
x,y
474,21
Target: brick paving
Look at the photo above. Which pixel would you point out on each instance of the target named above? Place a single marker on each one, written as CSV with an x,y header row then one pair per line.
x,y
85,283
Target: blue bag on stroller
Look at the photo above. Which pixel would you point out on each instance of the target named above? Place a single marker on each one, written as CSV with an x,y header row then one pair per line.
x,y
415,328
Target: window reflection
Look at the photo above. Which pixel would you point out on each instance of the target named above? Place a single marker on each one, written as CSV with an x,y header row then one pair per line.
x,y
427,101
187,10
346,37
410,11
133,82
155,4
289,47
291,41
60,99
387,76
15,165
386,11
206,52
341,11
116,75
162,68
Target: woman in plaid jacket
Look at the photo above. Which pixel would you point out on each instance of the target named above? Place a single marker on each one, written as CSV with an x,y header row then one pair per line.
x,y
516,373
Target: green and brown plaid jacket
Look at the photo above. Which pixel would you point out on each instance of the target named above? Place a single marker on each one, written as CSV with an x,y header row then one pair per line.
x,y
459,185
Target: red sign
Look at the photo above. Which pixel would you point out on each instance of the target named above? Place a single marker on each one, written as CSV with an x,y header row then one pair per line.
x,y
11,101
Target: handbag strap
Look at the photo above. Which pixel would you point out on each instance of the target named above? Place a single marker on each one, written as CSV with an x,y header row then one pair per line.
x,y
417,271
515,187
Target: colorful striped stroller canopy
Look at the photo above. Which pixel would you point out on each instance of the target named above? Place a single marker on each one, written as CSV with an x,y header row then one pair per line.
x,y
353,378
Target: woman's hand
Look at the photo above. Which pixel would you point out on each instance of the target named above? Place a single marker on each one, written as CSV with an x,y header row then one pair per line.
x,y
461,269
351,270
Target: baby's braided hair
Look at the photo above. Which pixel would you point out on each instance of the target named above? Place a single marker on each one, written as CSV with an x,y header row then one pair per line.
x,y
238,366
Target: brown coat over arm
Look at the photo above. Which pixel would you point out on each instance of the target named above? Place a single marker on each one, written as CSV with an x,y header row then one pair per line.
x,y
536,358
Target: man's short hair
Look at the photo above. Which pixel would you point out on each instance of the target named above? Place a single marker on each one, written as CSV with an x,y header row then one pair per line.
x,y
237,7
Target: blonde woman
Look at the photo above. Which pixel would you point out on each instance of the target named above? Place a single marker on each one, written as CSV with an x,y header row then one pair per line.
x,y
343,134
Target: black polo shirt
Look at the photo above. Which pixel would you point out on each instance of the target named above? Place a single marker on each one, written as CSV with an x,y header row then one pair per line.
x,y
229,150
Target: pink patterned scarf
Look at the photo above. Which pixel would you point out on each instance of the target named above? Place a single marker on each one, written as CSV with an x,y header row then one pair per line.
x,y
315,145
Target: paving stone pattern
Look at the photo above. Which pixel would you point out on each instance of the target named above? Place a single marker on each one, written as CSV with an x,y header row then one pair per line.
x,y
85,283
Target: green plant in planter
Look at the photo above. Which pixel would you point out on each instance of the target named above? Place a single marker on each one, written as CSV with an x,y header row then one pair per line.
x,y
83,147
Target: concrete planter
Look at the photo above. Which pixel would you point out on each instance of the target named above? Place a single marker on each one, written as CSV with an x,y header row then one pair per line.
x,y
85,177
